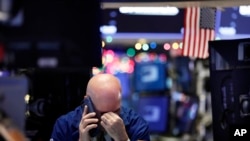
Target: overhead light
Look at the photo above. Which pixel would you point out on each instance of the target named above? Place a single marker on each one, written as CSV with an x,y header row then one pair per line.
x,y
227,30
4,16
244,10
108,29
169,11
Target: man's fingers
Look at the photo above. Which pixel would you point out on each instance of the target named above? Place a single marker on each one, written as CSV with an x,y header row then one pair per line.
x,y
104,120
89,115
90,121
109,118
89,127
111,115
86,122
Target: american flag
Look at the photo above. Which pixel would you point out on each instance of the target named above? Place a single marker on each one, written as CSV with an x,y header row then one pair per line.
x,y
198,30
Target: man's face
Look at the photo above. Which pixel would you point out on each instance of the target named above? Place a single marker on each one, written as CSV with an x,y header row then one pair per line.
x,y
106,104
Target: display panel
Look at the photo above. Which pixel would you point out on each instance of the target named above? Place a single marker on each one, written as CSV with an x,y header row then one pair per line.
x,y
12,103
229,71
155,110
235,18
232,23
150,76
185,113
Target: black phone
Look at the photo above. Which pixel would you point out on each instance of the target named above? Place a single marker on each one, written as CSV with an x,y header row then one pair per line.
x,y
91,108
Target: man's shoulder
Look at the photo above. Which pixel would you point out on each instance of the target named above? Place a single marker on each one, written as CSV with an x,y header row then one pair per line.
x,y
136,126
127,110
67,124
129,114
71,116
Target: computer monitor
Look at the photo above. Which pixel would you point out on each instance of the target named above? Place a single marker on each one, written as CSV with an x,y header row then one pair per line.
x,y
12,102
150,76
229,81
155,110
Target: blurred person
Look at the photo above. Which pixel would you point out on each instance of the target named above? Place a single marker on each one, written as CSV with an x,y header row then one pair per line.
x,y
8,130
116,122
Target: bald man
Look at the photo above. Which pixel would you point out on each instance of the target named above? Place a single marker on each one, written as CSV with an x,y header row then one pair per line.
x,y
116,122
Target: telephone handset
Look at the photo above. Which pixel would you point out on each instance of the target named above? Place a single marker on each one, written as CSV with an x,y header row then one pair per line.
x,y
91,108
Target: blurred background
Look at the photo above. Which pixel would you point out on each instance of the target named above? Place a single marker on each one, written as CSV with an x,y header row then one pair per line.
x,y
49,49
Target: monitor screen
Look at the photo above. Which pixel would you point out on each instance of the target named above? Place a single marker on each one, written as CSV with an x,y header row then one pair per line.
x,y
185,116
150,76
232,23
12,103
229,73
155,109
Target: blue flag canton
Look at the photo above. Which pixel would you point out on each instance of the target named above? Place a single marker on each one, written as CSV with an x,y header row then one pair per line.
x,y
207,18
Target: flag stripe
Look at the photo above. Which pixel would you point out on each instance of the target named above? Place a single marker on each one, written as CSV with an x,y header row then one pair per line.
x,y
207,36
201,43
186,33
197,32
210,38
192,24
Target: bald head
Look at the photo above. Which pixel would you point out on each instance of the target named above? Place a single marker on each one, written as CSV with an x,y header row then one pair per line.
x,y
105,92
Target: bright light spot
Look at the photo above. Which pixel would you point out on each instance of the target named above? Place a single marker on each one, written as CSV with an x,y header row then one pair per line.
x,y
166,46
244,10
153,45
227,30
149,10
145,47
138,46
217,38
130,52
27,98
175,45
109,39
103,44
108,29
180,45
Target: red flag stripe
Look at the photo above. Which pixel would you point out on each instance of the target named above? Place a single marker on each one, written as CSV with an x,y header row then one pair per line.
x,y
186,32
211,37
201,42
197,32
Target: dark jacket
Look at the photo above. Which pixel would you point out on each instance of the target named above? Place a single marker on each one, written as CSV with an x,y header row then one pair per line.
x,y
66,126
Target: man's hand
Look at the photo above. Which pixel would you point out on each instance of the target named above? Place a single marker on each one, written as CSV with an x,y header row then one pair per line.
x,y
114,126
87,123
